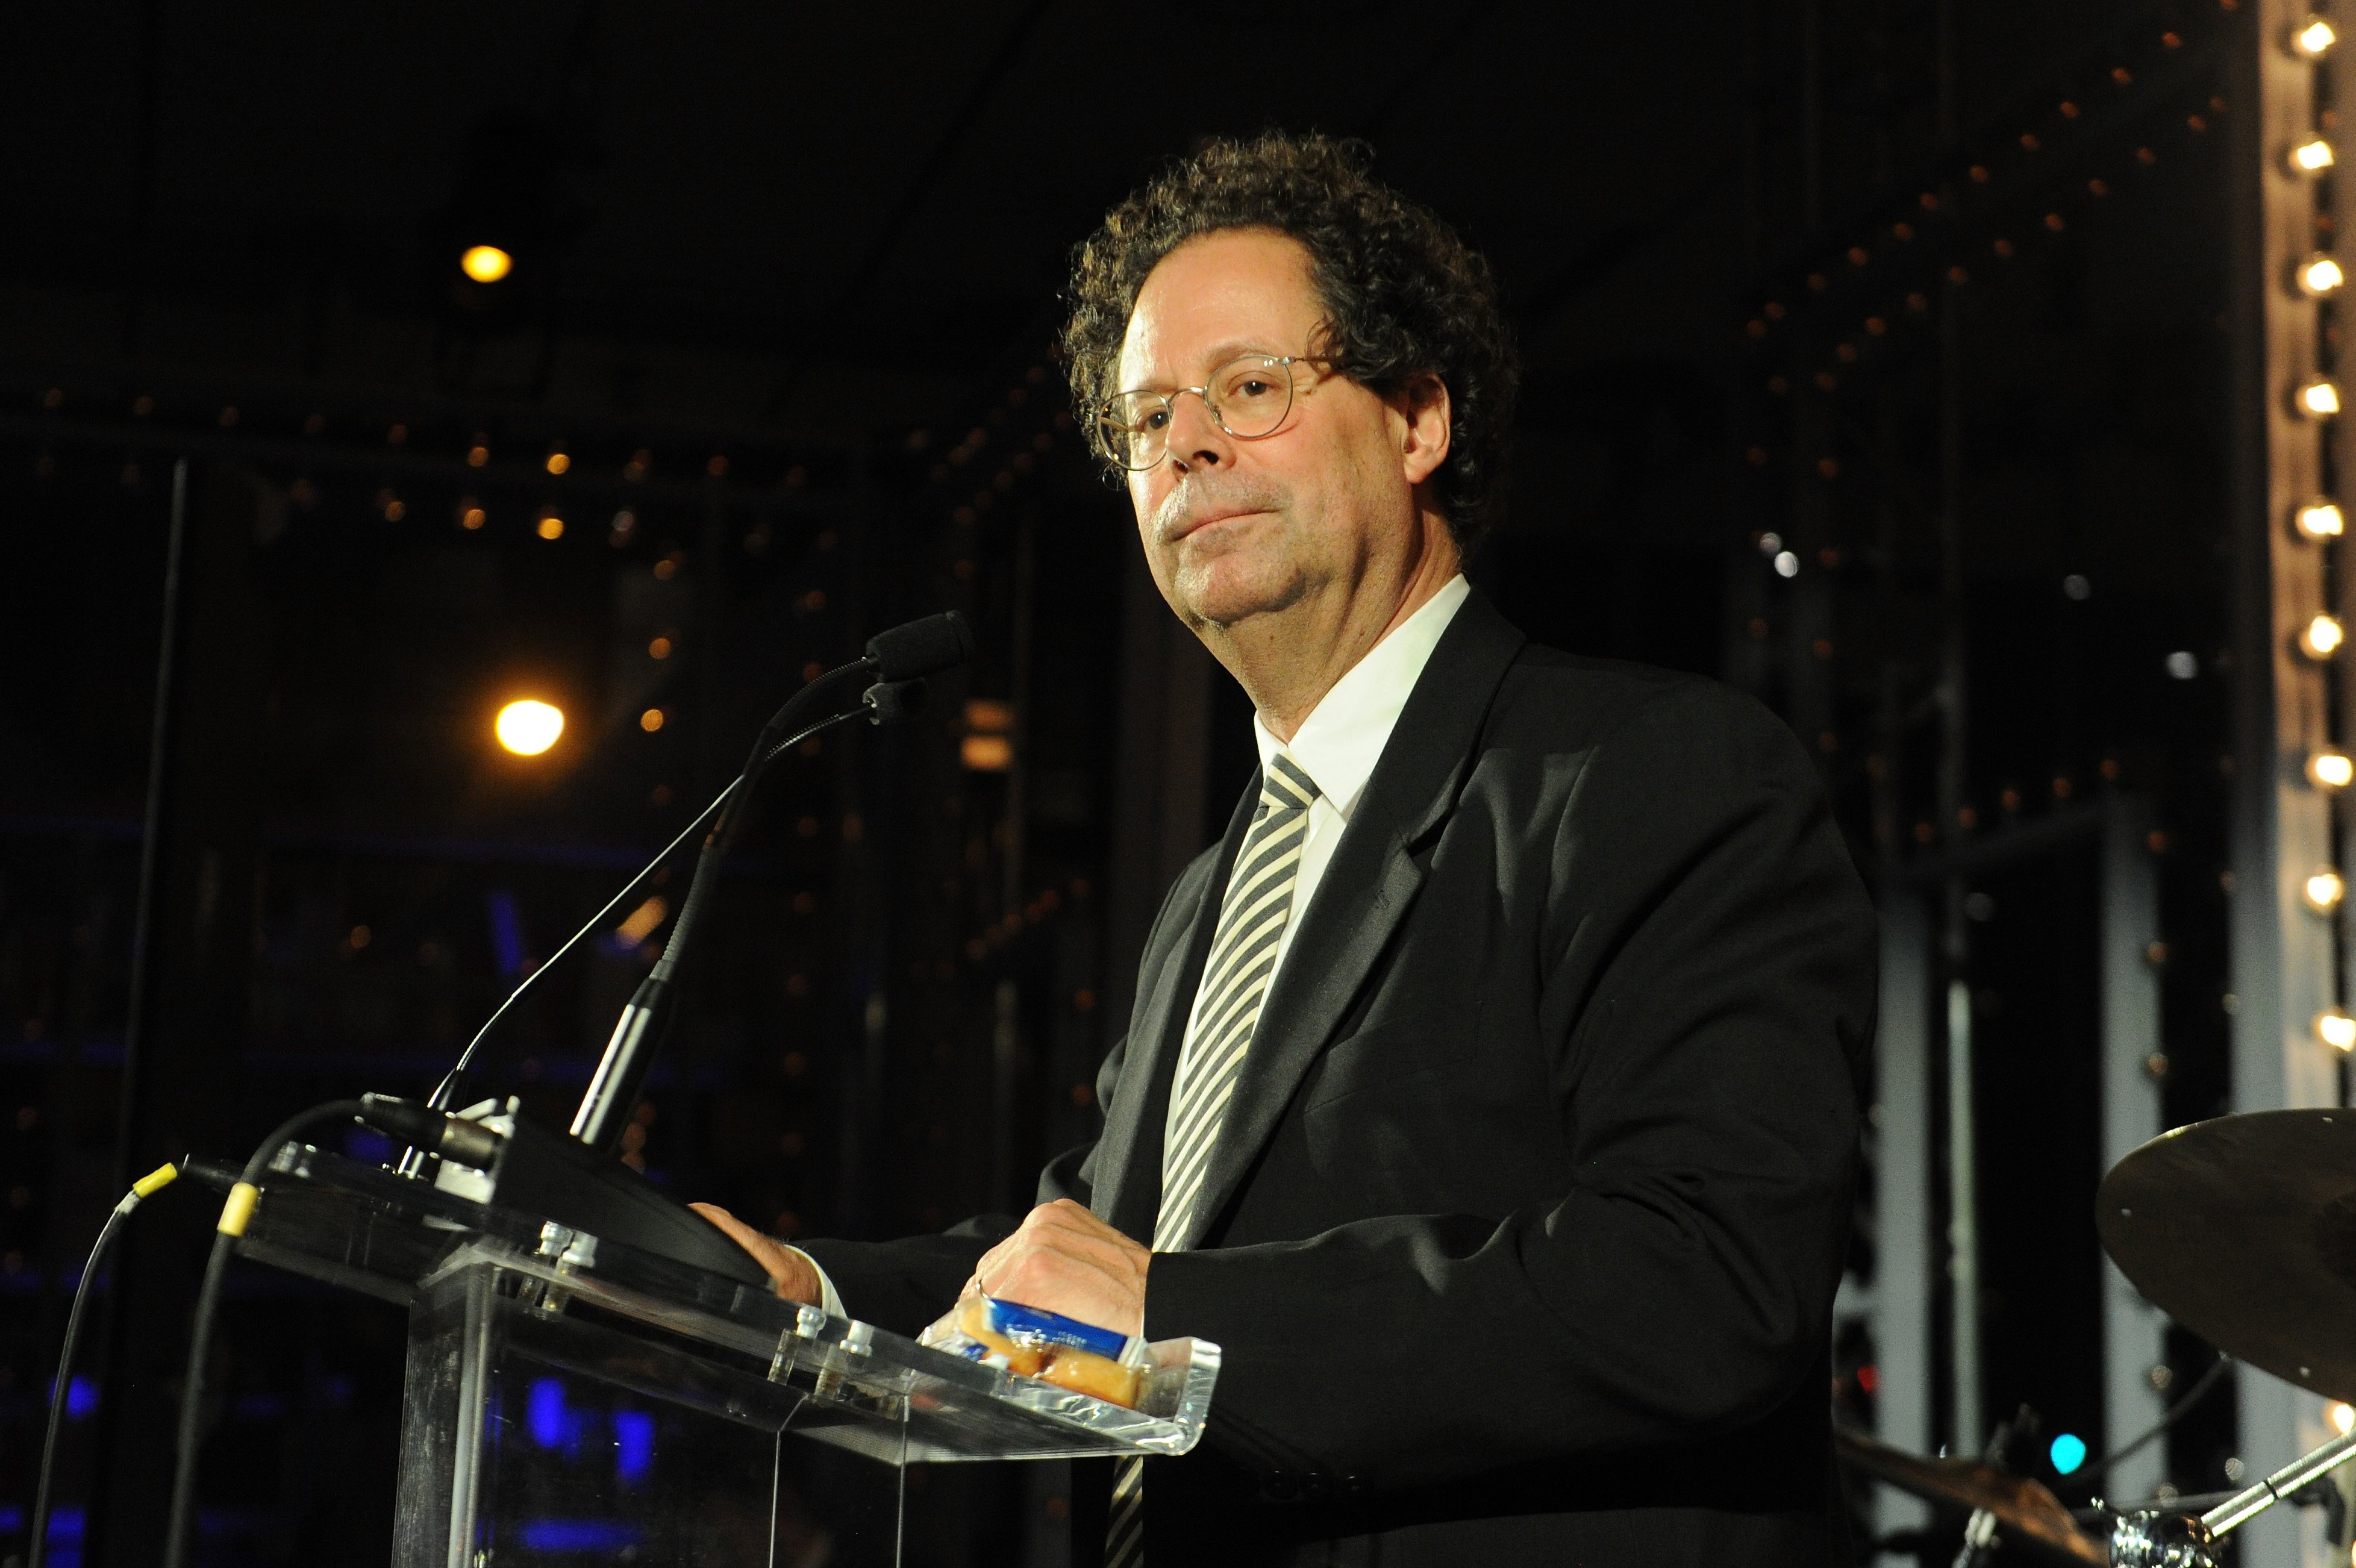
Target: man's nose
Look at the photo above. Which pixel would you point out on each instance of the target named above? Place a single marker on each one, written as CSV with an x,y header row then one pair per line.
x,y
1195,438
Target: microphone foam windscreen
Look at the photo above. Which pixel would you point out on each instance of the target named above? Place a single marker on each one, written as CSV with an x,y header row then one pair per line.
x,y
922,647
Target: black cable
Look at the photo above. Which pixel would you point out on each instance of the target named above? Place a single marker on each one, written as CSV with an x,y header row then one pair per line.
x,y
152,1182
2200,1390
235,1213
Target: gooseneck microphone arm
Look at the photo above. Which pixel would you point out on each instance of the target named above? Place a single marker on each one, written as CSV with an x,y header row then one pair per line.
x,y
896,660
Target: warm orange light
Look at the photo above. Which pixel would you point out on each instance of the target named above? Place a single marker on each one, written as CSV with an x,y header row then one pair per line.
x,y
659,649
2319,275
558,462
2322,520
643,920
987,753
2312,39
2336,1029
2312,156
529,726
2322,638
486,264
2330,770
2318,398
552,526
2323,891
651,720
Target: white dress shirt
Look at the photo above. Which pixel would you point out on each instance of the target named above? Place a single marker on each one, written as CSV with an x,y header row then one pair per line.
x,y
1337,745
1343,738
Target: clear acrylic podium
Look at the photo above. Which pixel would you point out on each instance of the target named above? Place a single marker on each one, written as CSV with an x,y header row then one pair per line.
x,y
568,1402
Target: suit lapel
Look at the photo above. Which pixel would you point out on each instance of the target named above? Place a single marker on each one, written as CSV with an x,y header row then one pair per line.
x,y
1129,1155
1367,890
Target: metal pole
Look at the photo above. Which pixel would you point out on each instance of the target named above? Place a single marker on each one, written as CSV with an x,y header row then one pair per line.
x,y
1963,1225
2133,1329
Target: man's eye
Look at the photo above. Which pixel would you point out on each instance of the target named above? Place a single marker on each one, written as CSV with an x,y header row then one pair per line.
x,y
1155,420
1254,388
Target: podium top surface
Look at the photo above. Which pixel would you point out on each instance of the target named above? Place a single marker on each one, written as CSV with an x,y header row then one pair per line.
x,y
736,1347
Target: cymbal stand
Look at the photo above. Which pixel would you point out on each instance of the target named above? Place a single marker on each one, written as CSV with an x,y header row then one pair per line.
x,y
2154,1540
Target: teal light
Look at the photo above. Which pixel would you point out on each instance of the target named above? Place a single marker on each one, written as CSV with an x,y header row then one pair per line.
x,y
2068,1452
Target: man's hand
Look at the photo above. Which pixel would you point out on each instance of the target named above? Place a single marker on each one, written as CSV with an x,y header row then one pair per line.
x,y
790,1273
1065,1260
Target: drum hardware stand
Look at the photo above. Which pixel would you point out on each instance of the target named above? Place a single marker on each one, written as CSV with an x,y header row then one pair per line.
x,y
2154,1540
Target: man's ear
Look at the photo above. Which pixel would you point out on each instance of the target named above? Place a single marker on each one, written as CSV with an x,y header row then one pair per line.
x,y
1423,408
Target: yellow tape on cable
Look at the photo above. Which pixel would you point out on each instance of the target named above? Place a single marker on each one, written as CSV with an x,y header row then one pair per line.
x,y
238,1209
156,1181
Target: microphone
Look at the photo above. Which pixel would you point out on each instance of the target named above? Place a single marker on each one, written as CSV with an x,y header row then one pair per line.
x,y
921,648
901,657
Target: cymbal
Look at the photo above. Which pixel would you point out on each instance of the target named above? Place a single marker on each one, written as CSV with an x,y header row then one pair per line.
x,y
2243,1229
2032,1515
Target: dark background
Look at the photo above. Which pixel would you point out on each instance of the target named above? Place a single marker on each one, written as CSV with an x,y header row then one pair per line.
x,y
1926,299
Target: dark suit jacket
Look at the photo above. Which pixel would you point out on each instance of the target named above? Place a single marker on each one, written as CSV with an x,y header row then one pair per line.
x,y
1522,1234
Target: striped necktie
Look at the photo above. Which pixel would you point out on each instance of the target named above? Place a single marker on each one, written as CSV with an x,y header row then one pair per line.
x,y
1252,918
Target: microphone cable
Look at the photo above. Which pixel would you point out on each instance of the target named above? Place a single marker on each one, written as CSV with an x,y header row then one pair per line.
x,y
235,1215
146,1187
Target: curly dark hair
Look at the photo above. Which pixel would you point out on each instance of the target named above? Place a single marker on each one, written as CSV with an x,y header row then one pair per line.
x,y
1403,294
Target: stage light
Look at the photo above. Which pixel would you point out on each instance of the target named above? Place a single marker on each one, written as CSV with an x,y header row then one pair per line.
x,y
2318,398
2067,1452
529,727
486,264
2330,770
2312,39
2322,638
2323,891
2319,275
2336,1029
2322,520
2344,1417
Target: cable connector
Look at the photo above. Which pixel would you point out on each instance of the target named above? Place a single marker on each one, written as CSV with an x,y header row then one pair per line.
x,y
454,1138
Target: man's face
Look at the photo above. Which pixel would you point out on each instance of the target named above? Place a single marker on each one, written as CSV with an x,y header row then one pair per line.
x,y
1238,528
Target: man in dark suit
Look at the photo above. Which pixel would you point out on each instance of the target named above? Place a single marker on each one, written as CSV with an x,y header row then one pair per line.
x,y
1489,1094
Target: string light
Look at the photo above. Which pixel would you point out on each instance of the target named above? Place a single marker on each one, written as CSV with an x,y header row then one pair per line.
x,y
486,264
2322,638
2312,39
2311,157
2322,520
2336,1029
2324,890
2319,275
2318,397
2330,770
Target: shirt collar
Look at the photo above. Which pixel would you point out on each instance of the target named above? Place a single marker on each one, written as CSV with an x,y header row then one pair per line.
x,y
1344,735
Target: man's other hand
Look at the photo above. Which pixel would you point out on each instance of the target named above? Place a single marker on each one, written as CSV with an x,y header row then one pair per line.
x,y
790,1274
1065,1260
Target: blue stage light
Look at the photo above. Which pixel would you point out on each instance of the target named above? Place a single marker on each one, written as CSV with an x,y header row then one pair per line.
x,y
599,1535
634,1443
544,1412
2068,1452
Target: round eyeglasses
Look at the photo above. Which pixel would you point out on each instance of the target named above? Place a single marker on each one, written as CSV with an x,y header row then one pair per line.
x,y
1249,397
